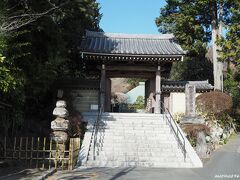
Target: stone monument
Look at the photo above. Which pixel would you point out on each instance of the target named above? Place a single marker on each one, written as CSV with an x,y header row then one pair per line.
x,y
60,125
202,147
190,113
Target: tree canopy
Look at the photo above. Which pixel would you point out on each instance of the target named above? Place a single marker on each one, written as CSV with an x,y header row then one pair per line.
x,y
231,43
192,24
39,43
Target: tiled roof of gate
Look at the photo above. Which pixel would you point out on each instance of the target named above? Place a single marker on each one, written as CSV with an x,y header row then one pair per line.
x,y
179,86
130,44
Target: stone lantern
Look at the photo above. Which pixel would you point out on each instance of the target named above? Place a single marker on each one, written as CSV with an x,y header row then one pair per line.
x,y
60,125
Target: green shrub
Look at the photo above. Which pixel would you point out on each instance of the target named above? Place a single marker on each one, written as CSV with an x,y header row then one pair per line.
x,y
178,116
139,103
214,102
217,107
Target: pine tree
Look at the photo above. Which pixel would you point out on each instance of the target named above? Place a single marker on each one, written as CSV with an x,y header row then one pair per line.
x,y
195,23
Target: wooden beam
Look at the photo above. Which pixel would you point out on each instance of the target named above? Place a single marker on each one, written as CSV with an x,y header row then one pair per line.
x,y
114,74
132,68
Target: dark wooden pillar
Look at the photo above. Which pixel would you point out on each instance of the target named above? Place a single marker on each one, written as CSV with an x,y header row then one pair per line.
x,y
103,87
149,89
108,95
158,91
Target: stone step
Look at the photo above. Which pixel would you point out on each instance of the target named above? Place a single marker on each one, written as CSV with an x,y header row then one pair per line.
x,y
139,133
146,145
137,116
140,153
134,122
139,164
128,121
149,144
136,139
131,115
129,128
141,159
132,128
143,136
136,147
143,120
133,132
125,126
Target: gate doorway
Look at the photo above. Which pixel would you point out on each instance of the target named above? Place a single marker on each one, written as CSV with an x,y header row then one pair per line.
x,y
127,95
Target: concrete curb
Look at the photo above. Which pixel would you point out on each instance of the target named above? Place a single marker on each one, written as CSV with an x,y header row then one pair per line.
x,y
47,173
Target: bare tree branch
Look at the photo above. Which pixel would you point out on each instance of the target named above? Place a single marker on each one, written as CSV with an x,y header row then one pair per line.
x,y
15,22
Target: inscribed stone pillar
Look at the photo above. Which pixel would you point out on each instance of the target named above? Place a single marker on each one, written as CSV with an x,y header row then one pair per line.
x,y
190,114
158,91
102,87
190,93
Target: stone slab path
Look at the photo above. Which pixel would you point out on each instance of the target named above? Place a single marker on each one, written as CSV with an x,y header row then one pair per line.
x,y
224,164
21,173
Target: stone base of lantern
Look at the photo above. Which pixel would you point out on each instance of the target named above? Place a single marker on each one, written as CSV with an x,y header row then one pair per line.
x,y
192,120
60,140
60,137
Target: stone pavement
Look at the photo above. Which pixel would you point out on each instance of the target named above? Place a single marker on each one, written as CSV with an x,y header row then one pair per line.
x,y
224,164
23,173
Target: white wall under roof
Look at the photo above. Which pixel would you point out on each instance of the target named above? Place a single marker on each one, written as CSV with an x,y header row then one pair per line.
x,y
177,101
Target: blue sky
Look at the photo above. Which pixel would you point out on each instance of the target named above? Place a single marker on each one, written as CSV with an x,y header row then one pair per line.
x,y
130,16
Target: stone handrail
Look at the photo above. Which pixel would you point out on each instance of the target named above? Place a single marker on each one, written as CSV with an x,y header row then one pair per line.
x,y
178,133
95,131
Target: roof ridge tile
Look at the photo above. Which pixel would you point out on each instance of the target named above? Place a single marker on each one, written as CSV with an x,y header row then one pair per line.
x,y
129,36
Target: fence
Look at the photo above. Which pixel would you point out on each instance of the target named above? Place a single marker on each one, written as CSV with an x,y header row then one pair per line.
x,y
5,119
41,152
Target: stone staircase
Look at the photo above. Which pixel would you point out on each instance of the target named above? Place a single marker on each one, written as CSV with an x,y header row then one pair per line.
x,y
134,139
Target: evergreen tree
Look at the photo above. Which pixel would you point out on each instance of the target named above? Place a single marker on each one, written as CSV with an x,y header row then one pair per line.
x,y
37,53
194,23
230,52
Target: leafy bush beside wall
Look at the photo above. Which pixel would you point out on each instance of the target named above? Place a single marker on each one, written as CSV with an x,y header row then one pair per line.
x,y
214,102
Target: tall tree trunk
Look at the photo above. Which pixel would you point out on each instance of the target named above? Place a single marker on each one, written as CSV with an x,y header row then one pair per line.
x,y
216,71
220,64
220,19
